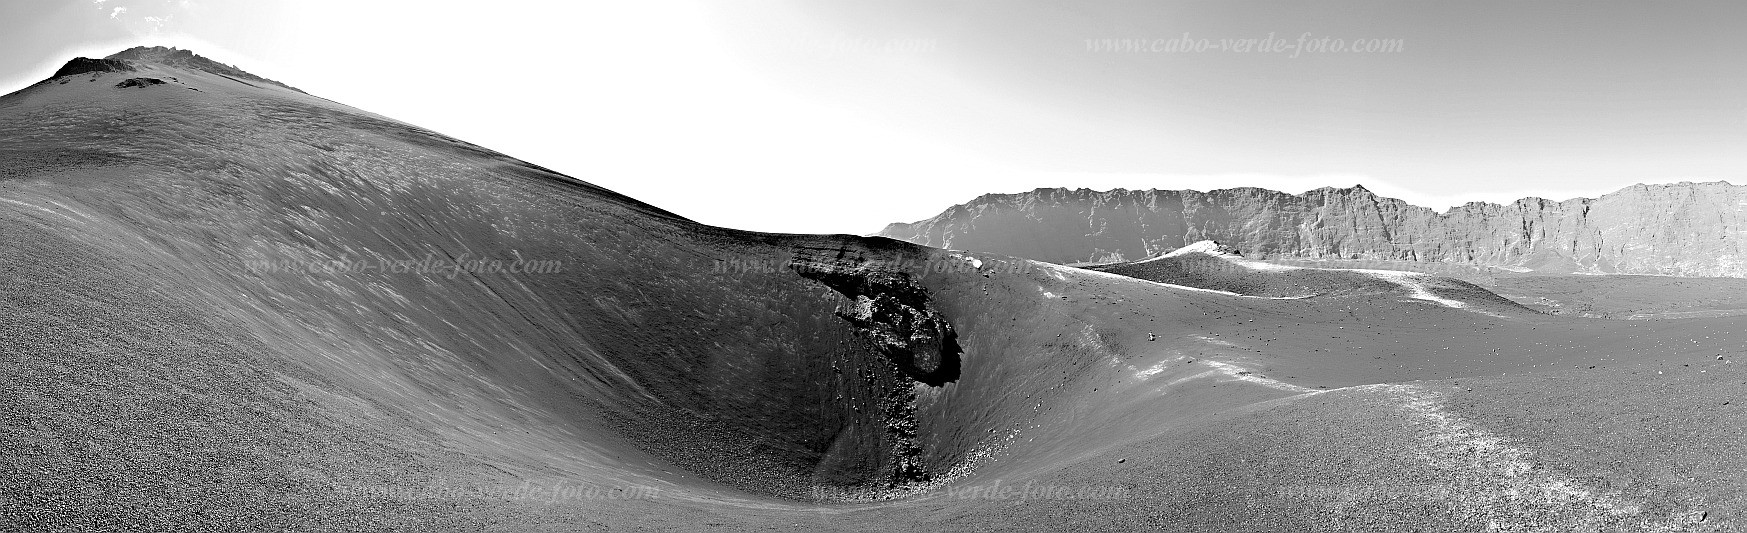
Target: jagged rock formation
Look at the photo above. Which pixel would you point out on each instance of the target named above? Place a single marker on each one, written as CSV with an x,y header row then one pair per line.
x,y
892,311
1684,229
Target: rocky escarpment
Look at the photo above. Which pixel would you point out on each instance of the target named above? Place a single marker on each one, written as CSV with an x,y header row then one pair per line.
x,y
1685,229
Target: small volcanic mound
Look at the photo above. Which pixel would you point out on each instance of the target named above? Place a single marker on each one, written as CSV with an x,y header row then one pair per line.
x,y
1215,266
81,65
139,82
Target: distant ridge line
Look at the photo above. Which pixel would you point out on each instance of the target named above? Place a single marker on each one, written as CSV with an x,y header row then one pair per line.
x,y
1681,229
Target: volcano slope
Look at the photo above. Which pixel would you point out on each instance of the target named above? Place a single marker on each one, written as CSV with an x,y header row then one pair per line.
x,y
231,305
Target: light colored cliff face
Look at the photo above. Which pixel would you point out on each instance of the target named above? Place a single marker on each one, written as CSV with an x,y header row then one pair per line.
x,y
1685,229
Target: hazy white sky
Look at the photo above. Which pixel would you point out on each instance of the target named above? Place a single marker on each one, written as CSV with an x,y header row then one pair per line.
x,y
820,116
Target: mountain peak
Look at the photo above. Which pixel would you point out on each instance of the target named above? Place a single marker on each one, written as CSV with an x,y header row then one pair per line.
x,y
154,54
81,65
165,56
1355,189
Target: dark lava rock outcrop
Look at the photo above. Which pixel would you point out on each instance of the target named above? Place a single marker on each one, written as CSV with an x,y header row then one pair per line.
x,y
1685,229
139,82
892,311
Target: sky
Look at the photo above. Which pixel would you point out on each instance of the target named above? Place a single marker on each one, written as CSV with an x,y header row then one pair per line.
x,y
821,116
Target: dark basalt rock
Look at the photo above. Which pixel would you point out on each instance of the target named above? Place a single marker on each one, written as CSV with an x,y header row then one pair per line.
x,y
139,82
892,311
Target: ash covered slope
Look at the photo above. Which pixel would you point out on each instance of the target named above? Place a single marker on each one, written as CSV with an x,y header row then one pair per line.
x,y
276,305
206,324
1687,229
250,283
